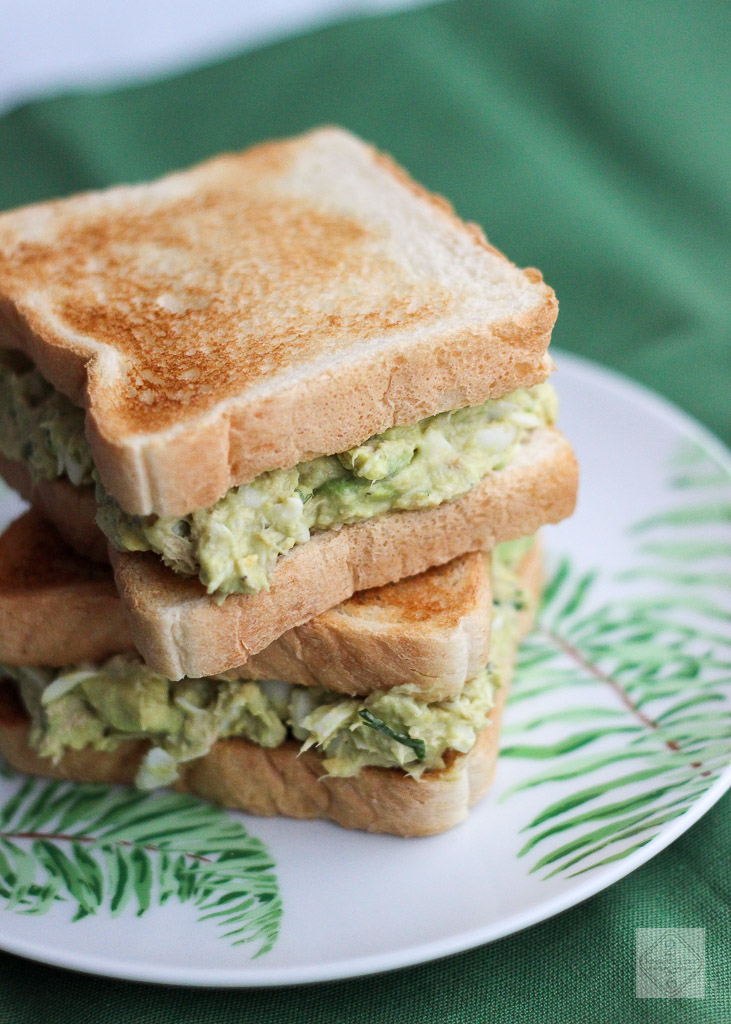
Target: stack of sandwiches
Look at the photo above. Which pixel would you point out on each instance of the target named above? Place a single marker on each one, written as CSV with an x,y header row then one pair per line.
x,y
285,427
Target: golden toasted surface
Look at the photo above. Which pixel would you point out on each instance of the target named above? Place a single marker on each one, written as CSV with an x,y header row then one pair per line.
x,y
438,595
237,272
56,608
252,304
32,555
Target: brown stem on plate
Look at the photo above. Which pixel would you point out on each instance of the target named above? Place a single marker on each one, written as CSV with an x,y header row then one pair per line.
x,y
575,654
90,839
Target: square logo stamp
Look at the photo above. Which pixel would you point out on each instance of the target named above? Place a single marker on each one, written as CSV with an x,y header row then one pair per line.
x,y
670,963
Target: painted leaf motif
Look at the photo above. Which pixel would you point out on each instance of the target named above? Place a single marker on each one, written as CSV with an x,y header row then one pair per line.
x,y
107,849
638,734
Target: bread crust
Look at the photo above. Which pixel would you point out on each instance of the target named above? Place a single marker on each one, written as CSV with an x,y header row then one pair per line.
x,y
202,365
180,631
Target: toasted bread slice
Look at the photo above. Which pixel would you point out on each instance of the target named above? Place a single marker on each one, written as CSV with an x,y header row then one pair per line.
x,y
180,631
72,510
55,608
259,309
431,631
247,777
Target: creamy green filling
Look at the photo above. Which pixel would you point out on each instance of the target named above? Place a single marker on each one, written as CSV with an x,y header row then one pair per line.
x,y
233,545
103,706
39,426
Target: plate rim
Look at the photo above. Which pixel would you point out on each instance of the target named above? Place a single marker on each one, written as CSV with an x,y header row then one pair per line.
x,y
619,385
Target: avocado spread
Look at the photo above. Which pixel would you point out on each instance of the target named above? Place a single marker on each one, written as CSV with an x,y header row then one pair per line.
x,y
102,706
39,426
233,545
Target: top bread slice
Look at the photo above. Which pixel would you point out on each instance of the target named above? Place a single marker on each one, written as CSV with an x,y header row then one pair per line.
x,y
430,631
259,309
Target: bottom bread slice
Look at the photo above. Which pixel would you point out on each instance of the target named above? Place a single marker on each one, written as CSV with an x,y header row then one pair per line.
x,y
242,775
282,781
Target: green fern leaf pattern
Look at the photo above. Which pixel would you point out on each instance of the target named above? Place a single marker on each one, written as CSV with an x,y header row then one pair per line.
x,y
101,847
640,729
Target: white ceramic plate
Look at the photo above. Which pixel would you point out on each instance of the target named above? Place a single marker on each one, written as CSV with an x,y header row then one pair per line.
x,y
616,740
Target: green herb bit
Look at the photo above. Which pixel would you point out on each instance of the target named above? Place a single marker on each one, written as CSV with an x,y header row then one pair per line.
x,y
418,746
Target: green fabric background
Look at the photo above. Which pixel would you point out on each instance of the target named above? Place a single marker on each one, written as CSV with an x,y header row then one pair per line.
x,y
591,140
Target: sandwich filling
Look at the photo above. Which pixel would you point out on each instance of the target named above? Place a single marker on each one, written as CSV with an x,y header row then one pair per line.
x,y
39,426
233,545
102,706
